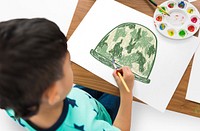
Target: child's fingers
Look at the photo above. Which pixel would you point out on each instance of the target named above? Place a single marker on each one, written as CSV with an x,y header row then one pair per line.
x,y
128,77
122,70
125,70
115,75
127,74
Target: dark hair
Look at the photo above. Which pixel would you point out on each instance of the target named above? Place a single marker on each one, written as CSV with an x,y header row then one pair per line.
x,y
32,53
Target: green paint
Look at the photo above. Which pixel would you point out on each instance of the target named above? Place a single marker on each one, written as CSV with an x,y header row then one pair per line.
x,y
131,26
182,33
131,45
102,43
119,33
117,50
151,50
140,60
163,9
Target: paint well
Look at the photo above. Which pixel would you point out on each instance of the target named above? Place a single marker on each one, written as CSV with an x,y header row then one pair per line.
x,y
182,33
170,32
159,18
191,28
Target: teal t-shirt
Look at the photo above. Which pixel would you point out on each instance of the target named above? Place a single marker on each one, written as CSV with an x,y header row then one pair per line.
x,y
81,112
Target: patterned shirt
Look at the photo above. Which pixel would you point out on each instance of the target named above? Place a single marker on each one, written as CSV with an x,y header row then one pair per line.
x,y
81,112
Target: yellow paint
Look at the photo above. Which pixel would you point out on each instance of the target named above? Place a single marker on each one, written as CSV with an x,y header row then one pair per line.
x,y
190,11
170,32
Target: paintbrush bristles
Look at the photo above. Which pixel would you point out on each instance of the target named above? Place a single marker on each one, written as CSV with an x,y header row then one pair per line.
x,y
113,63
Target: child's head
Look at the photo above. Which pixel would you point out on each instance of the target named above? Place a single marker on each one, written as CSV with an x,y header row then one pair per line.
x,y
32,55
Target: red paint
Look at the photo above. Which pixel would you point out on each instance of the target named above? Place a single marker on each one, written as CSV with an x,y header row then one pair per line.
x,y
194,19
171,5
159,18
191,28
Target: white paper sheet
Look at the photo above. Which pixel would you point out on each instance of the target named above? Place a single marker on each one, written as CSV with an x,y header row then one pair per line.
x,y
7,124
171,61
145,118
59,11
192,0
193,90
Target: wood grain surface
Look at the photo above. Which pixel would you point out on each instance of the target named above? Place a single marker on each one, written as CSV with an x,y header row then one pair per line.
x,y
83,77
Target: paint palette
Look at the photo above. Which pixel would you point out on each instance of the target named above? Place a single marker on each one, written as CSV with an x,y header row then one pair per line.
x,y
182,23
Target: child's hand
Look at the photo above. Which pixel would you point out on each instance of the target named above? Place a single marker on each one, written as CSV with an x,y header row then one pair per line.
x,y
123,118
128,78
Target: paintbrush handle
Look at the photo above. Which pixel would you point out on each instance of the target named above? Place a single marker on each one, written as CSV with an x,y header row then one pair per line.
x,y
152,1
163,10
123,82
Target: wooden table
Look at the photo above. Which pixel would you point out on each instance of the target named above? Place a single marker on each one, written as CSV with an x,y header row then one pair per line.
x,y
83,77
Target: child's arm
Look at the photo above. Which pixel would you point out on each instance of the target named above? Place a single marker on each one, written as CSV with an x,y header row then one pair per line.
x,y
123,118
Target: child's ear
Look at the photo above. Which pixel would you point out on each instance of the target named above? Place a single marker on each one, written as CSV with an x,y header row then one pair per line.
x,y
53,95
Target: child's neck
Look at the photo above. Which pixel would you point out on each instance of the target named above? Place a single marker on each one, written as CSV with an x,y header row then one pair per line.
x,y
47,115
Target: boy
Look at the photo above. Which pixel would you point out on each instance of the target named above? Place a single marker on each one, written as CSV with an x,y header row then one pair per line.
x,y
36,82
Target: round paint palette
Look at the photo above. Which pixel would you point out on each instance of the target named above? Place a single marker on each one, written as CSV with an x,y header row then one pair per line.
x,y
182,23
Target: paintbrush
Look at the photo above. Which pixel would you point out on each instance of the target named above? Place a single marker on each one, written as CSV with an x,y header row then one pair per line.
x,y
160,8
120,76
